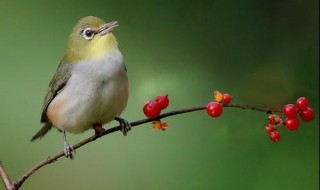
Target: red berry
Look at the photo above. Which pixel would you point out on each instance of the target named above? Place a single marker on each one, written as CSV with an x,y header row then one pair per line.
x,y
292,123
274,136
271,121
302,103
275,119
163,101
307,115
226,98
269,128
151,109
214,109
290,110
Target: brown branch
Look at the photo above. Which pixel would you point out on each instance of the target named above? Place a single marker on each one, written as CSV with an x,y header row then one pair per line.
x,y
17,184
5,178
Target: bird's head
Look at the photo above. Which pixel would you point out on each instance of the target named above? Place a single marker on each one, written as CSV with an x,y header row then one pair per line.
x,y
90,39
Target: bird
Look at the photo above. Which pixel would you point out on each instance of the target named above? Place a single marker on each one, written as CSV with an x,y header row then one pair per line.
x,y
90,85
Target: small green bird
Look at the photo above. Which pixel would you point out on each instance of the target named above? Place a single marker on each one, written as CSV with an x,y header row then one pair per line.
x,y
90,86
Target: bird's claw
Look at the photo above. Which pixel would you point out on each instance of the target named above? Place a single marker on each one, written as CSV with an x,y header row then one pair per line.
x,y
125,126
69,151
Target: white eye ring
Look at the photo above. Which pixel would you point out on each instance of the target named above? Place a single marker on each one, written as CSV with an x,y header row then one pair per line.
x,y
88,33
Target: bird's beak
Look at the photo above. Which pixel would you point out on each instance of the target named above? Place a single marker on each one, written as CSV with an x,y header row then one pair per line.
x,y
108,27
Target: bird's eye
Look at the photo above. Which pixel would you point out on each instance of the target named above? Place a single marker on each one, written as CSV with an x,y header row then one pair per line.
x,y
88,33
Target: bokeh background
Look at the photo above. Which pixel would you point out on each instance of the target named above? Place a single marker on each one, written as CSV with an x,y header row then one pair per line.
x,y
264,53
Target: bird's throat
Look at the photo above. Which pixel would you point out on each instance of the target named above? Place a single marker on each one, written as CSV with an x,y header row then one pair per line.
x,y
96,49
100,46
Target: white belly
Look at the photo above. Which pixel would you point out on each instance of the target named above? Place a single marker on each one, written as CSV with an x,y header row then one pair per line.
x,y
97,92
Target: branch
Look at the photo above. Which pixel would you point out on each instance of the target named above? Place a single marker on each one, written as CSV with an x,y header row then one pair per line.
x,y
17,184
5,178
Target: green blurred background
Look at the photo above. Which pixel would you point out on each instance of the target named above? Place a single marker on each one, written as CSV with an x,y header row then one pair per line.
x,y
264,53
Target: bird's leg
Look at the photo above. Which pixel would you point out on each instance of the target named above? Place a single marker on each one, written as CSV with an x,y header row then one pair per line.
x,y
68,150
124,124
98,128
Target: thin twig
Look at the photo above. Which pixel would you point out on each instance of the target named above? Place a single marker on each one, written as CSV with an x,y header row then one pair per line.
x,y
5,178
17,184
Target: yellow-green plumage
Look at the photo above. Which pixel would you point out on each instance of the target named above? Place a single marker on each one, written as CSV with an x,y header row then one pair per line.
x,y
82,49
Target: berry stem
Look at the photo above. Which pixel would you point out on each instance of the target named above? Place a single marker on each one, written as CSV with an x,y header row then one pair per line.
x,y
254,108
198,108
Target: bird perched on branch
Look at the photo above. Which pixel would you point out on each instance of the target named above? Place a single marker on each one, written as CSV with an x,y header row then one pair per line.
x,y
90,86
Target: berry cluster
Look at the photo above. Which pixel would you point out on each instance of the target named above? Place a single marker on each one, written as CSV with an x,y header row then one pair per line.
x,y
291,111
153,108
214,109
291,122
274,122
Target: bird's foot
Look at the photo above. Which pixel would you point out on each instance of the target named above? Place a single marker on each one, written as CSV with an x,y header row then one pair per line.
x,y
69,151
124,125
98,128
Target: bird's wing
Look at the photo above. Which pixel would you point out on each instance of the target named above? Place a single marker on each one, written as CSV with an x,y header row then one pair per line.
x,y
56,84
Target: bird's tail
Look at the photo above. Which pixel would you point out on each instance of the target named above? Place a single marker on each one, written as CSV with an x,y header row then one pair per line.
x,y
47,126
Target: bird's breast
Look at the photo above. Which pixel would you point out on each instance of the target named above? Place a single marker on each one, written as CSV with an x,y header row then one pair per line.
x,y
97,92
